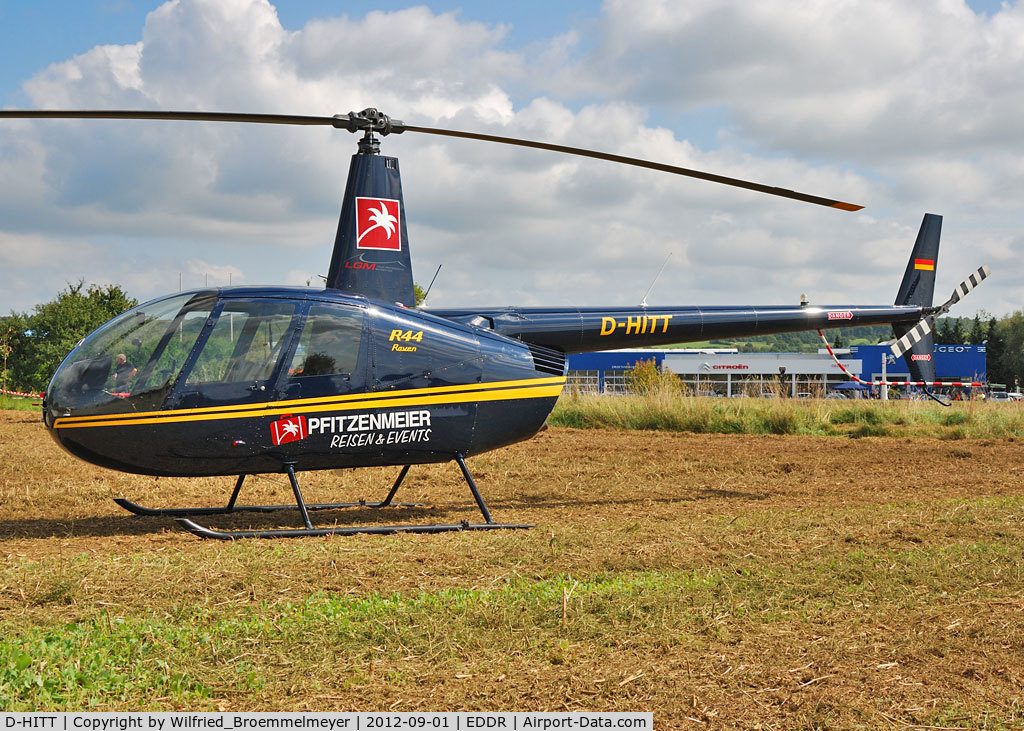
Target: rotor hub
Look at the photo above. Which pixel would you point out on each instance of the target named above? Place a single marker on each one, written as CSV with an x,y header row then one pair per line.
x,y
370,120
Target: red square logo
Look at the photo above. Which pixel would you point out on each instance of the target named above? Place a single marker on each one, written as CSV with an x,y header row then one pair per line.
x,y
378,224
288,429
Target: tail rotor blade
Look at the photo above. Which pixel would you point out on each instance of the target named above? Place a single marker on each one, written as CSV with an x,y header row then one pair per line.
x,y
965,287
923,328
913,336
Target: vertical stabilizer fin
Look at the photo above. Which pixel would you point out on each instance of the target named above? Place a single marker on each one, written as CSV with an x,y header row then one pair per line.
x,y
371,249
919,279
917,342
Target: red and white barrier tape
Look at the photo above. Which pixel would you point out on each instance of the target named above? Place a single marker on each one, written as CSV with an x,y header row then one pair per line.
x,y
964,384
19,393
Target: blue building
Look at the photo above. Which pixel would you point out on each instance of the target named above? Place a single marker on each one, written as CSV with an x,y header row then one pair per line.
x,y
952,363
727,372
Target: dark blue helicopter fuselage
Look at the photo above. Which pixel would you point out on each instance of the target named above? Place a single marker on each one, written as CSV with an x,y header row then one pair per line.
x,y
246,379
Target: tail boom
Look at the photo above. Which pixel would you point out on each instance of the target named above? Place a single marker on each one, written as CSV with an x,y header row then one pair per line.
x,y
578,330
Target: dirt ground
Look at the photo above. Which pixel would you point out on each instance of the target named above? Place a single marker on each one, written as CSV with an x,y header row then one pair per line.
x,y
860,582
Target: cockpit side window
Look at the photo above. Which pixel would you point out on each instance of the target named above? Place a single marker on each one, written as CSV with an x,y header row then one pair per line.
x,y
330,342
238,358
327,358
245,343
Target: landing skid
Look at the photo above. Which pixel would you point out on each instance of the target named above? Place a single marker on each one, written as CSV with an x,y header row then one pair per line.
x,y
186,512
204,532
182,514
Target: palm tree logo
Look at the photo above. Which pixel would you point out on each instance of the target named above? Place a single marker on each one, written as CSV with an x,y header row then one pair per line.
x,y
290,429
378,213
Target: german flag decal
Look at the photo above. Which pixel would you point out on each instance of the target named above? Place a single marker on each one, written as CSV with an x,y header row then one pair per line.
x,y
926,264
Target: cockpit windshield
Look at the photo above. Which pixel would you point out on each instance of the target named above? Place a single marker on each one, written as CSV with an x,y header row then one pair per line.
x,y
130,363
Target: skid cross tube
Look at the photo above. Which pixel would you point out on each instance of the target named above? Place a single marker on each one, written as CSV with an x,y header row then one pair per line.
x,y
309,530
232,507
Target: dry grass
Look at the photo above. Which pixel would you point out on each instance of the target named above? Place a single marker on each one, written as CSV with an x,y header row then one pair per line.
x,y
742,581
669,410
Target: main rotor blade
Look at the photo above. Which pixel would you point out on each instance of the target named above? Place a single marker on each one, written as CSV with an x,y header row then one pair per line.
x,y
371,120
192,116
711,177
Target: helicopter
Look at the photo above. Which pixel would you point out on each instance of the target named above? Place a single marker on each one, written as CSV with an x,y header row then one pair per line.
x,y
246,380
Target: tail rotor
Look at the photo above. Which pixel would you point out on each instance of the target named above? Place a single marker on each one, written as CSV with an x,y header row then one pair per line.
x,y
922,331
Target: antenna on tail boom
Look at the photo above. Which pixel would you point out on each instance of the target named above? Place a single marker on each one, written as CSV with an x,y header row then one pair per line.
x,y
643,302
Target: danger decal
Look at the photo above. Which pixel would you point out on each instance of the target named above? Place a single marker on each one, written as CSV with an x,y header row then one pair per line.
x,y
843,315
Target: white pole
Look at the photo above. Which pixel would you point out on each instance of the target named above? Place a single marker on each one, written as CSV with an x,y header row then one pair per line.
x,y
884,389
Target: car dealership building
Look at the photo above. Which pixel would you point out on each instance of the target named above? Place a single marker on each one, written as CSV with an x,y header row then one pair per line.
x,y
727,372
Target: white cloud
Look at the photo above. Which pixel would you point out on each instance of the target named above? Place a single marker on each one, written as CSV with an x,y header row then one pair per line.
x,y
34,250
869,80
904,106
215,275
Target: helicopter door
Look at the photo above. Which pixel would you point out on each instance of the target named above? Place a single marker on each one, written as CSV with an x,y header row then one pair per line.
x,y
239,360
330,356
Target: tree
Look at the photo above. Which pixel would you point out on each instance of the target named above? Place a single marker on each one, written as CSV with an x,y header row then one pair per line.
x,y
12,334
978,332
995,346
41,340
1011,361
958,334
5,350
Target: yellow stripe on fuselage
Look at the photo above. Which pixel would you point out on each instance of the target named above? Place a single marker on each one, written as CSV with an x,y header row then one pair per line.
x,y
494,391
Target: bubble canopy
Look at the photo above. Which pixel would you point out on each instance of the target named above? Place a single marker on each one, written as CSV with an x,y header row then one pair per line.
x,y
130,363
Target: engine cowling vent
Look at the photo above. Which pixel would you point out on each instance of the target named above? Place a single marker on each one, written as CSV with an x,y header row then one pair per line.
x,y
547,360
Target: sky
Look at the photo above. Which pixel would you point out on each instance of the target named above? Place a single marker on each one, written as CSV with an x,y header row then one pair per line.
x,y
901,106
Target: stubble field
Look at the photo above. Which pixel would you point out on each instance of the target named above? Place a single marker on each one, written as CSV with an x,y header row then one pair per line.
x,y
718,581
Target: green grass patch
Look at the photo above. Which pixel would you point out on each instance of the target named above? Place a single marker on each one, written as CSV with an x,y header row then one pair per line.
x,y
667,411
188,655
96,661
18,403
